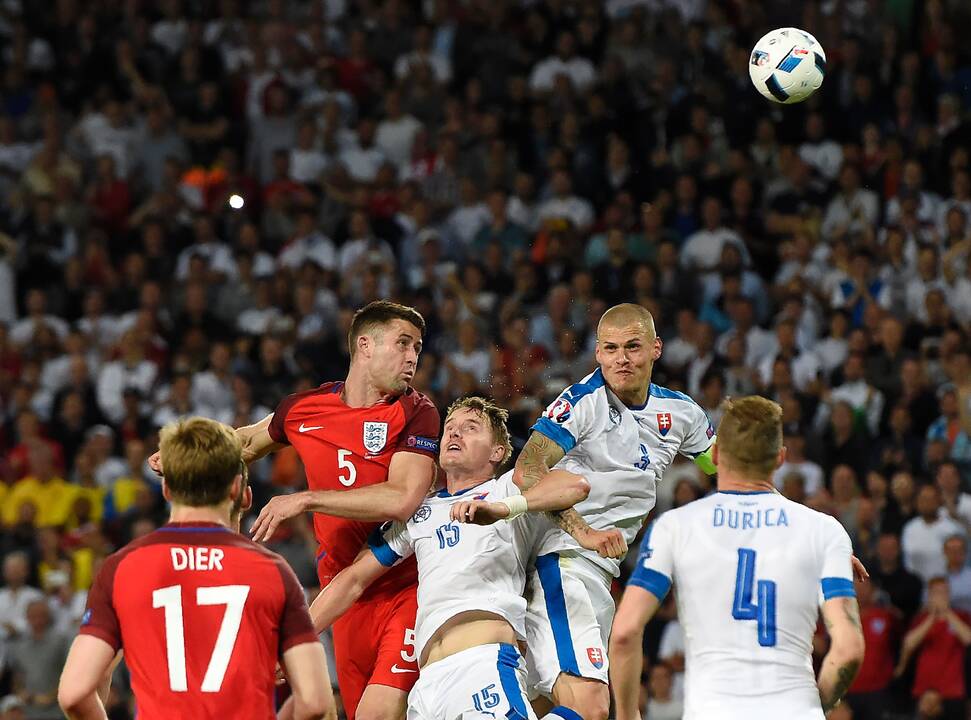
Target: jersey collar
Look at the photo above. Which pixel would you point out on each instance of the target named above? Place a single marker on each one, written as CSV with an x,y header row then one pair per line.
x,y
746,492
444,493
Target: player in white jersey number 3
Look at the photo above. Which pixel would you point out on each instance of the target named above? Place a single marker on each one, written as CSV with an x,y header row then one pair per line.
x,y
471,578
620,431
752,570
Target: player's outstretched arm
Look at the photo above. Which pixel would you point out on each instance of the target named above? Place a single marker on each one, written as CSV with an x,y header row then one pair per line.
x,y
626,649
842,662
558,490
410,476
83,675
344,590
538,456
306,669
255,438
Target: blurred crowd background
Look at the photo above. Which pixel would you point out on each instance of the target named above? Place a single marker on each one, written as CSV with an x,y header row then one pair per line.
x,y
197,194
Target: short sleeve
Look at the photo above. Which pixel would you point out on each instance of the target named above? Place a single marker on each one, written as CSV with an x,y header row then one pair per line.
x,y
836,577
296,627
569,418
277,428
421,430
391,543
655,562
100,619
700,434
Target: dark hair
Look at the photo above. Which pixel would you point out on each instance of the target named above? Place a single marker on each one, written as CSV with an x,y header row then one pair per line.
x,y
381,312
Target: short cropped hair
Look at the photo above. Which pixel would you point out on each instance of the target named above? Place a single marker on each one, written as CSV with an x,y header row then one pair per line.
x,y
497,417
750,436
201,457
377,313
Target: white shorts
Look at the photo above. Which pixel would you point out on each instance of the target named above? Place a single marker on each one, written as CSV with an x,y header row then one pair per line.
x,y
487,681
568,617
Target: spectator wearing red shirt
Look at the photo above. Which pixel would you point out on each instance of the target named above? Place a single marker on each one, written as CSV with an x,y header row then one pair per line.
x,y
868,695
939,635
110,198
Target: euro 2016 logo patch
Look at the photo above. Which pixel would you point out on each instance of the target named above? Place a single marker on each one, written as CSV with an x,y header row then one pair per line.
x,y
596,657
422,514
375,436
663,423
559,411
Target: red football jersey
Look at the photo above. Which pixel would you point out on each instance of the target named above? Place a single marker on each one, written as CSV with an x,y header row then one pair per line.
x,y
346,447
203,615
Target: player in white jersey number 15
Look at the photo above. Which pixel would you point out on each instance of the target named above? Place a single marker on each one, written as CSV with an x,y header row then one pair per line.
x,y
752,571
471,611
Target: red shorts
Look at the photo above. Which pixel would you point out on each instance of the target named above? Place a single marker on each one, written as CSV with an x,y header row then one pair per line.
x,y
374,644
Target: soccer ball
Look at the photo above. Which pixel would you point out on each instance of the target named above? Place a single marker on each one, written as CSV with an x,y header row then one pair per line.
x,y
787,65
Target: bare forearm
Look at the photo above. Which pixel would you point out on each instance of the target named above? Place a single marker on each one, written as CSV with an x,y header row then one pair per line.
x,y
538,456
626,665
374,503
332,602
559,490
256,440
87,708
959,627
835,678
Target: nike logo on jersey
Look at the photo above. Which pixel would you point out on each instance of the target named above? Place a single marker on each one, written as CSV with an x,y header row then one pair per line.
x,y
396,669
307,428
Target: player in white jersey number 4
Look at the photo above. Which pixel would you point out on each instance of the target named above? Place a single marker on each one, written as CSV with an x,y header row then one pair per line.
x,y
752,570
471,610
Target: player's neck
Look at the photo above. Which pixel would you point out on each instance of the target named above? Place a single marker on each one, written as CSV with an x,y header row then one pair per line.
x,y
358,392
219,515
457,481
729,481
633,398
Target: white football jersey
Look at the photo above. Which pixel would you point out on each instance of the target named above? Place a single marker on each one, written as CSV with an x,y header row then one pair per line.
x,y
621,451
461,567
751,571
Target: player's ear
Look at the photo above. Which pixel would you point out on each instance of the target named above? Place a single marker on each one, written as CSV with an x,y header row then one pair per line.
x,y
498,453
363,344
781,458
658,345
166,493
714,454
247,499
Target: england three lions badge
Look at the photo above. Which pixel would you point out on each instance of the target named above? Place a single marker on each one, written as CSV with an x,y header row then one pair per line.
x,y
375,436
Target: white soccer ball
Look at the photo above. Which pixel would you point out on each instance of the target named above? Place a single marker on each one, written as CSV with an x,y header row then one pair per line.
x,y
787,65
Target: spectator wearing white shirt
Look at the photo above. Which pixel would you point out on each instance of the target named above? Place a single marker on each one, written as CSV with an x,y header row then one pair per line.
x,y
858,393
213,387
364,158
578,70
805,367
759,343
702,250
307,161
662,703
132,370
108,133
521,207
671,652
853,210
912,186
564,204
820,152
928,278
423,55
308,244
396,132
794,439
362,248
960,198
955,504
470,216
22,333
15,596
326,92
958,572
218,255
470,365
860,287
923,537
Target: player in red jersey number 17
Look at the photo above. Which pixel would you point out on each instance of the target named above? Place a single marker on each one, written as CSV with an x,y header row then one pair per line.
x,y
201,613
368,446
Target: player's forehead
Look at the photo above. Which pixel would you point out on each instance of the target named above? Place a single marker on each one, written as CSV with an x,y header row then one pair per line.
x,y
464,416
396,328
624,333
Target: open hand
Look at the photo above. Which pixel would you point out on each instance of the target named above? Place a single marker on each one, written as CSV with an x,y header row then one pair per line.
x,y
278,509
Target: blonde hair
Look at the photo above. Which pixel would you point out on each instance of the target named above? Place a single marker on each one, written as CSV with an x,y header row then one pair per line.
x,y
627,314
750,436
497,417
201,458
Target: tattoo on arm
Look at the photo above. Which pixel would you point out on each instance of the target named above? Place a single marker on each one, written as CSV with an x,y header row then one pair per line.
x,y
852,610
537,457
844,678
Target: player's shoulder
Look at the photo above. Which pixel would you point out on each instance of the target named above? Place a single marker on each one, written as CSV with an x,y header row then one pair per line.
x,y
324,390
587,387
660,396
412,402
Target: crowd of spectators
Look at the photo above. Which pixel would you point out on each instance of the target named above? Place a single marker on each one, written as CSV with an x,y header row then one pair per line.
x,y
197,194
